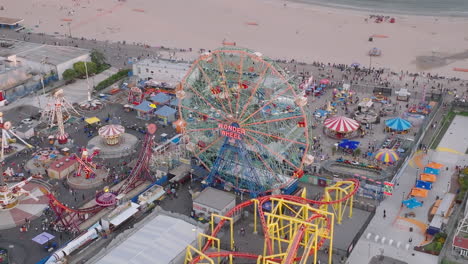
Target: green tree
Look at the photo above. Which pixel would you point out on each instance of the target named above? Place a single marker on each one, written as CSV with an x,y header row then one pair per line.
x,y
69,74
80,69
357,152
98,58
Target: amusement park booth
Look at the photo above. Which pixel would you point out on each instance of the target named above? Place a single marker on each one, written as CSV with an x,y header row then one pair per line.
x,y
212,200
160,99
145,110
433,168
398,125
403,95
93,121
165,114
341,127
62,167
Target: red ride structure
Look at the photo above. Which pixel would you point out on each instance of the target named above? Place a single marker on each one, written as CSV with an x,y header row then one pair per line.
x,y
288,216
70,219
86,164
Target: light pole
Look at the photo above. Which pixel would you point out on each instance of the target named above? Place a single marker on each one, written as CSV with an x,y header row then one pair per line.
x,y
87,81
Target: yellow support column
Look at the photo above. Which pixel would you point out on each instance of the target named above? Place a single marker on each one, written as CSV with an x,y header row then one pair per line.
x,y
231,225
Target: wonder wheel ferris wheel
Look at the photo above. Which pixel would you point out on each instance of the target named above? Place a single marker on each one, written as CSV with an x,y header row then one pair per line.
x,y
244,121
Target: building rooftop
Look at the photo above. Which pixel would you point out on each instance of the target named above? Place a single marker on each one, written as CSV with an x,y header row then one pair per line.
x,y
169,72
39,52
161,98
461,242
214,198
10,21
162,240
62,163
165,111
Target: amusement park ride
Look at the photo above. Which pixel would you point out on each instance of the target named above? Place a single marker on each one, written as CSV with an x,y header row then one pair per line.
x,y
9,195
247,125
294,227
70,218
56,113
86,163
244,122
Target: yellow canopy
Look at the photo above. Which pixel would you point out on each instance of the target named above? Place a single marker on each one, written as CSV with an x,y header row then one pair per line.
x,y
92,120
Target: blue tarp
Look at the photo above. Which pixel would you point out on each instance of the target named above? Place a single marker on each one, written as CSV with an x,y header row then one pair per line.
x,y
412,203
424,185
165,111
349,144
398,124
431,171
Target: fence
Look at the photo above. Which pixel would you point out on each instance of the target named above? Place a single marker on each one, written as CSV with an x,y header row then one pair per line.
x,y
28,88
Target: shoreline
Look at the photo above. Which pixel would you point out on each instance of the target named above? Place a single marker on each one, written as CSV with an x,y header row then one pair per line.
x,y
300,31
366,10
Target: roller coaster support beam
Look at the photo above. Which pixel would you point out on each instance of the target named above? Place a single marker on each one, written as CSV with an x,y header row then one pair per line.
x,y
255,216
231,226
191,252
212,239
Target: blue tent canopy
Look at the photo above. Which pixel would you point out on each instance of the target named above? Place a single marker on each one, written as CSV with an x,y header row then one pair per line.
x,y
349,144
412,203
161,98
398,124
424,185
165,111
431,171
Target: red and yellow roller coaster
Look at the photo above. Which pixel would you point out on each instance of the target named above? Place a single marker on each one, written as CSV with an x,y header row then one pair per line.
x,y
294,229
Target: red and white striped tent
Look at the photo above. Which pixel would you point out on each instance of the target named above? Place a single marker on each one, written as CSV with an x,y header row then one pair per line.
x,y
111,130
341,124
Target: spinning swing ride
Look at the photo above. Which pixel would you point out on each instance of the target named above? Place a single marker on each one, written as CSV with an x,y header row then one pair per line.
x,y
243,120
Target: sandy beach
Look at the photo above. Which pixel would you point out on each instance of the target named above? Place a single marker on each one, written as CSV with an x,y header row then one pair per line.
x,y
278,29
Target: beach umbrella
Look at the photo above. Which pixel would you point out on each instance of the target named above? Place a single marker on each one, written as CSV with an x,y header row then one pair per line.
x,y
398,124
387,156
355,64
341,124
324,81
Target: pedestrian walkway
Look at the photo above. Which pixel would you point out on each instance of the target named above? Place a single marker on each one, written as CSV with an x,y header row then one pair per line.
x,y
390,235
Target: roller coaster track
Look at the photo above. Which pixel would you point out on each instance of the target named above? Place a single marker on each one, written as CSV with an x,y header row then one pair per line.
x,y
299,234
71,218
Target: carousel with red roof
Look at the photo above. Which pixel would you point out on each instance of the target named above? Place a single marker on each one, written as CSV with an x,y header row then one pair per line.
x,y
340,127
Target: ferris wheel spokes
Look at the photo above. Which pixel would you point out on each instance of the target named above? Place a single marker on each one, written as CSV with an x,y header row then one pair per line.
x,y
211,89
203,98
224,82
261,78
268,102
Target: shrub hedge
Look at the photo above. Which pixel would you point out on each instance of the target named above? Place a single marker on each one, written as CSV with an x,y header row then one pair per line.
x,y
112,79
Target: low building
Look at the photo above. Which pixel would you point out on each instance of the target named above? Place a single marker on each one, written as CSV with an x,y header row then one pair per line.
x,y
41,58
165,115
11,23
62,167
212,200
144,110
159,240
167,73
160,99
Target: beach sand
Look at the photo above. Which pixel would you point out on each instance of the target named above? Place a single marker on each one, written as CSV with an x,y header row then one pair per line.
x,y
296,31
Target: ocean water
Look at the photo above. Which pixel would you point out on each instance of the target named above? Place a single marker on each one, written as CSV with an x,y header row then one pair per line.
x,y
418,7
